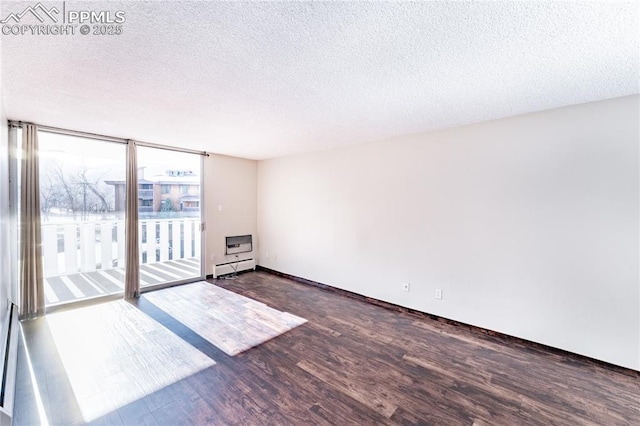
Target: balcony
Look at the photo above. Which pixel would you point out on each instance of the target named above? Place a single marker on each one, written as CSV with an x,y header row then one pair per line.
x,y
145,194
86,259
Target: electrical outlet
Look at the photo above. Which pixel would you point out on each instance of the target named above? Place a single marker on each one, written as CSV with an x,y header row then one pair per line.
x,y
406,287
438,293
267,255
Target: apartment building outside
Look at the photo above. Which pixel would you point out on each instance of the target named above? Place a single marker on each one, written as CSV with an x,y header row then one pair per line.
x,y
174,191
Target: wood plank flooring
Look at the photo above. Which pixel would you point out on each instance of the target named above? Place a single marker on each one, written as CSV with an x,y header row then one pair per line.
x,y
233,323
113,354
352,363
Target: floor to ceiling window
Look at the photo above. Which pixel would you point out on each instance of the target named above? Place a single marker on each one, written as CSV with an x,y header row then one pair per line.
x,y
82,189
169,216
82,218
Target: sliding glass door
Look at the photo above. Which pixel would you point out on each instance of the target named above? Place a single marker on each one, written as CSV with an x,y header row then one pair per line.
x,y
82,216
82,205
169,214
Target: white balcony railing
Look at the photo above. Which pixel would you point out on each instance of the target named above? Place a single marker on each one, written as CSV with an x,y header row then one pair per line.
x,y
73,247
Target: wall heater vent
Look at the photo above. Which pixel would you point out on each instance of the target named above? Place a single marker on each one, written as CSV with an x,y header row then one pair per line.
x,y
238,244
9,344
232,267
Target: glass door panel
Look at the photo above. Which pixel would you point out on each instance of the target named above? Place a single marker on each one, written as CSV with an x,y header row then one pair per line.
x,y
169,216
82,216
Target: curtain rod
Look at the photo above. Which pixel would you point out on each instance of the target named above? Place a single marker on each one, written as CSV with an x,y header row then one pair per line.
x,y
58,130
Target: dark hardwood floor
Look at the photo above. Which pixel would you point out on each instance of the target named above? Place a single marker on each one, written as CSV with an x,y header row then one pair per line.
x,y
351,363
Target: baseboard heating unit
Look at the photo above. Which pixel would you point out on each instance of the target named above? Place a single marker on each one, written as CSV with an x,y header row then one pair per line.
x,y
9,344
233,267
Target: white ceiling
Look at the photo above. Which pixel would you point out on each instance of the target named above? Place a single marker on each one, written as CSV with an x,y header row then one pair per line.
x,y
260,80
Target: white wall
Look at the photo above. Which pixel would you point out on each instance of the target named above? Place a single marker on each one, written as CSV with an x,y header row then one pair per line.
x,y
231,183
529,224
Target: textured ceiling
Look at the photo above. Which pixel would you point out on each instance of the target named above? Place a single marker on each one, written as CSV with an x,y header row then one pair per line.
x,y
260,80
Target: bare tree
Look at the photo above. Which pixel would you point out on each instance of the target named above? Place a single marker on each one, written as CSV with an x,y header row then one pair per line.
x,y
95,196
50,195
73,189
67,188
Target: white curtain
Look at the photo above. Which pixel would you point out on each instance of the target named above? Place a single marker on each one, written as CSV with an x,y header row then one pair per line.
x,y
132,272
31,287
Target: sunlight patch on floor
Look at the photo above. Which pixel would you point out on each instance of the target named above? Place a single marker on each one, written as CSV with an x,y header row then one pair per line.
x,y
34,383
114,354
230,321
